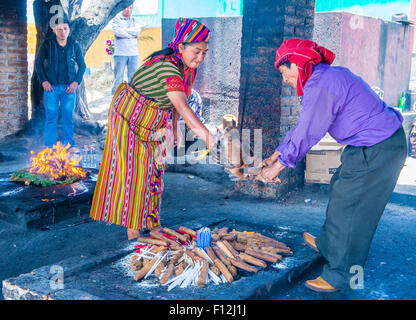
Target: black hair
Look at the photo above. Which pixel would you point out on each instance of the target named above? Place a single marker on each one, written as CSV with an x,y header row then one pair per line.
x,y
165,51
285,62
61,20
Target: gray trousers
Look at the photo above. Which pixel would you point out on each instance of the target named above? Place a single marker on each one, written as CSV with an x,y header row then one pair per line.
x,y
358,194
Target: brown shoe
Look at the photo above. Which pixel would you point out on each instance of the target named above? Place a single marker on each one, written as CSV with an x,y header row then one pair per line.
x,y
310,241
320,285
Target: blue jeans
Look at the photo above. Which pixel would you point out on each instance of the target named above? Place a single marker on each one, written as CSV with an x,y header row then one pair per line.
x,y
67,101
120,64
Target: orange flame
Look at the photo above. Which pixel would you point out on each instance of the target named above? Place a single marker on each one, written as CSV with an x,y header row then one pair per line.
x,y
55,163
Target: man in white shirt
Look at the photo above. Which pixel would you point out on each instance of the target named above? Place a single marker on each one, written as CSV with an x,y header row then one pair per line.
x,y
126,31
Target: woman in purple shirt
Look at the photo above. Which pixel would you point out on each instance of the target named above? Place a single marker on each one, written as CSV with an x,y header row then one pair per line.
x,y
337,101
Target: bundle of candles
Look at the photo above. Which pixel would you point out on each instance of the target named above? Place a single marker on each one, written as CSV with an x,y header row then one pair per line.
x,y
185,257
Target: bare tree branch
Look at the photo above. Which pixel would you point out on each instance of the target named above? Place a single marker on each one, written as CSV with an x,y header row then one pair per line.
x,y
87,26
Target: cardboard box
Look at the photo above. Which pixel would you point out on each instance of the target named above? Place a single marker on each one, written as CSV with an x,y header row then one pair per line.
x,y
322,161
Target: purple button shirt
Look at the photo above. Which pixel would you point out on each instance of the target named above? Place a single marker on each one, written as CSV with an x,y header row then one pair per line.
x,y
339,102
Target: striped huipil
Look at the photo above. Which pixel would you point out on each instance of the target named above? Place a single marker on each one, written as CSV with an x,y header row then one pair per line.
x,y
129,186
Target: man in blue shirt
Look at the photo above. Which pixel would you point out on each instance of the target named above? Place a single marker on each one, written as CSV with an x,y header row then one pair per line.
x,y
60,67
336,101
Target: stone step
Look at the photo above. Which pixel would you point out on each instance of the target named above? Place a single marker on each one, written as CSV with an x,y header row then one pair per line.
x,y
35,207
109,277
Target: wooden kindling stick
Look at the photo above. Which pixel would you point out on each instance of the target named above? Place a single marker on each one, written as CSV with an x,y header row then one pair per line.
x,y
202,279
156,234
159,268
200,252
181,237
180,268
210,253
218,265
250,259
171,267
143,271
267,239
224,259
188,231
158,242
272,244
215,237
274,250
225,246
238,246
193,256
244,266
225,249
220,254
221,266
230,248
270,257
223,231
215,269
176,257
158,249
167,274
135,264
228,237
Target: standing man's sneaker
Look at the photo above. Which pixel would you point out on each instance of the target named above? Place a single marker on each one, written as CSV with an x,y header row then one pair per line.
x,y
320,285
310,241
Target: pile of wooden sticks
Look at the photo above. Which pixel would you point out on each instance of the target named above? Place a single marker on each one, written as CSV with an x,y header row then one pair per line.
x,y
174,258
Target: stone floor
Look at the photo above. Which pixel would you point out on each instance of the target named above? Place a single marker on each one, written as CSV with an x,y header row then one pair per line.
x,y
198,196
91,251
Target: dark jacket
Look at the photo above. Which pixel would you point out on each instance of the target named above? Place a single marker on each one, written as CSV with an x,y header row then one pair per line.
x,y
46,63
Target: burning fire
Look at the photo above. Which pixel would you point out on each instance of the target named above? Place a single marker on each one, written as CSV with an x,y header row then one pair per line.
x,y
56,163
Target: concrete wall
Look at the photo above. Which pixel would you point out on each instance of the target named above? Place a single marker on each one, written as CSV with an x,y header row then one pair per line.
x,y
239,77
218,77
265,101
13,67
378,51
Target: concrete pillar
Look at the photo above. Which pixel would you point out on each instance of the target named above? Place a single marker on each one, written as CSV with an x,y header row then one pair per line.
x,y
265,101
238,76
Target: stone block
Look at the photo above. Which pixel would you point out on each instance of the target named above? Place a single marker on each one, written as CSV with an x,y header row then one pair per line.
x,y
27,287
72,294
112,279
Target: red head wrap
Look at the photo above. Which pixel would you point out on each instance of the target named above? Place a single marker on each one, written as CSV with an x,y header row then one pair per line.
x,y
305,54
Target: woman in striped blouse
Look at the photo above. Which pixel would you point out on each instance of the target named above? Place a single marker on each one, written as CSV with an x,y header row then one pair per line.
x,y
129,185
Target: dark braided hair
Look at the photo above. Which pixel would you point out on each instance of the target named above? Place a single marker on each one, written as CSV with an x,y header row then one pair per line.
x,y
165,51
